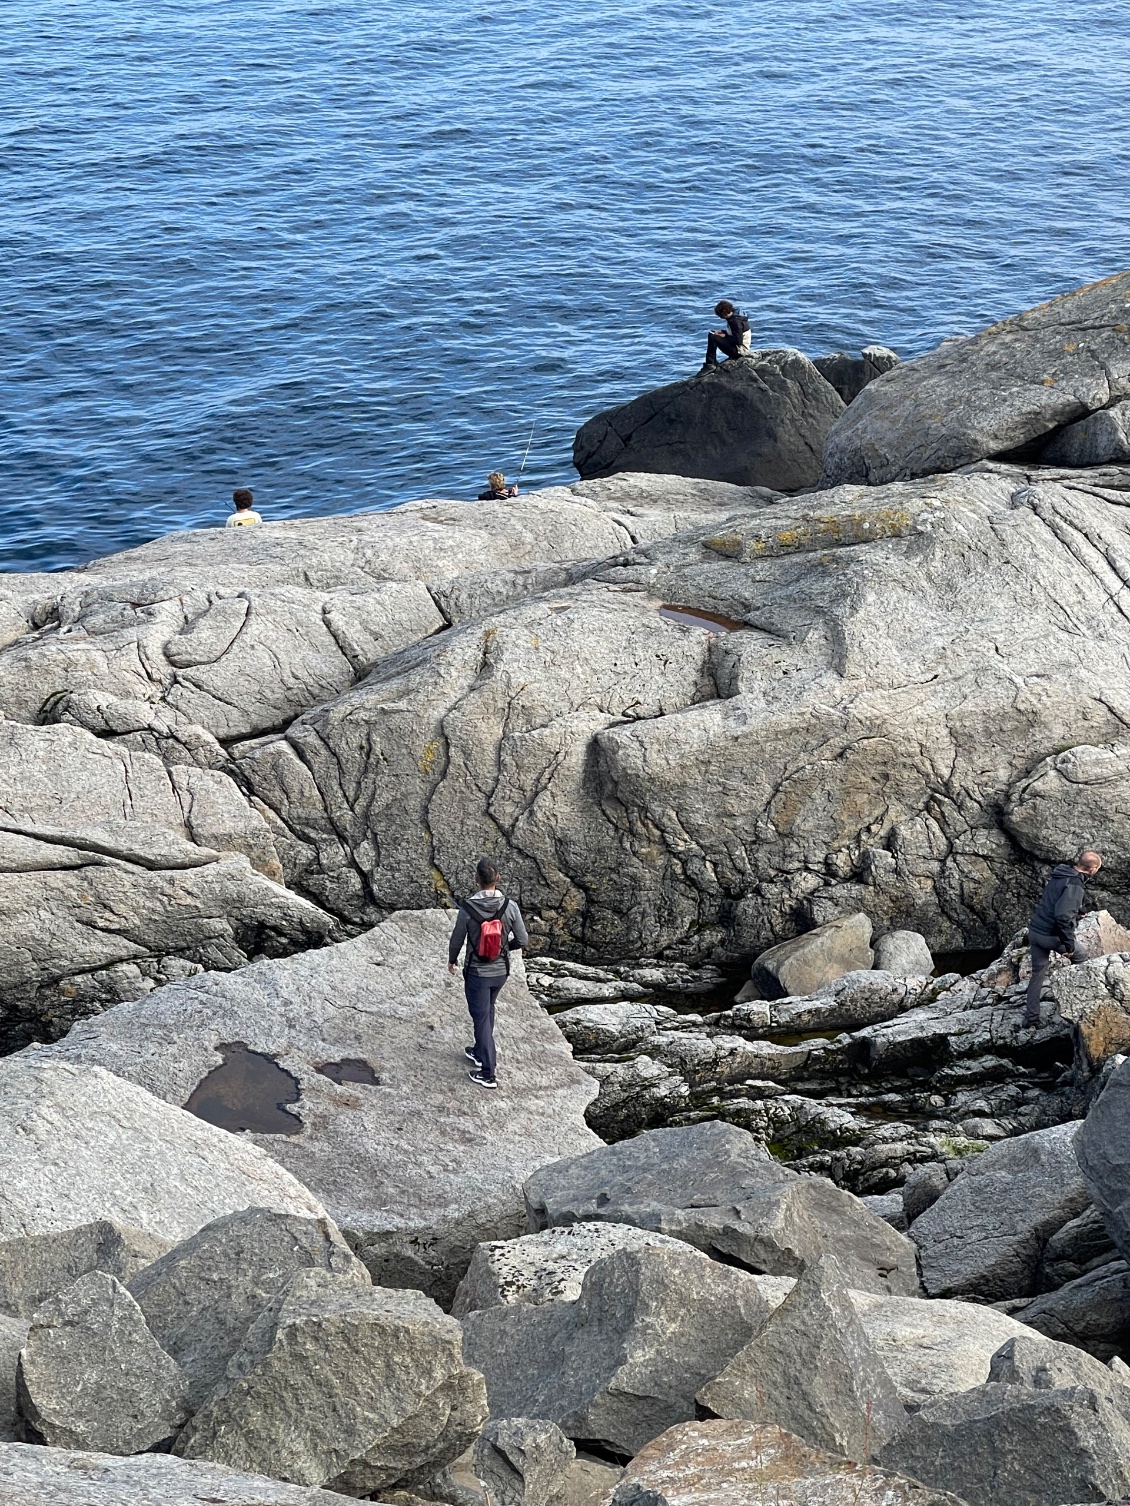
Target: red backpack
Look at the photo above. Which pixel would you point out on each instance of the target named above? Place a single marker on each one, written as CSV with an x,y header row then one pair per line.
x,y
491,942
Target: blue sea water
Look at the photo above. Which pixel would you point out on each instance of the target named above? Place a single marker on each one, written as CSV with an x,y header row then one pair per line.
x,y
347,252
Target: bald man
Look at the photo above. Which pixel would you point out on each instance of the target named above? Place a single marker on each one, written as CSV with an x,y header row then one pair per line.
x,y
1052,927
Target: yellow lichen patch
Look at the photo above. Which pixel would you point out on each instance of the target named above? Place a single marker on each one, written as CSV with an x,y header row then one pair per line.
x,y
1049,381
1071,345
535,640
429,756
442,887
726,543
1105,1032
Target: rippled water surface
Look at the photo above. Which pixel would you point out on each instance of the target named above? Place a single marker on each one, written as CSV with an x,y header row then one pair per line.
x,y
347,253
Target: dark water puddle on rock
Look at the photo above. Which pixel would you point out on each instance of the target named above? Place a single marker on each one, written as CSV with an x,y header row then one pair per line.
x,y
710,622
965,963
249,1091
350,1069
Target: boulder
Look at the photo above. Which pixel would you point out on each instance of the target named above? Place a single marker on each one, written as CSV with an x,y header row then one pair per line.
x,y
714,1186
1095,997
735,1463
1014,1445
1091,1312
79,1144
1077,1248
592,1028
523,1461
545,1267
13,1337
1012,385
806,963
850,374
36,1266
760,420
31,1476
201,1298
1103,1151
813,1371
1043,1365
906,954
117,874
1068,799
92,1376
923,1187
859,998
416,1165
1101,438
985,1235
338,1385
625,1360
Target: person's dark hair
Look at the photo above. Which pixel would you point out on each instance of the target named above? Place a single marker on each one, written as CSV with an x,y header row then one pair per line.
x,y
724,309
486,872
243,496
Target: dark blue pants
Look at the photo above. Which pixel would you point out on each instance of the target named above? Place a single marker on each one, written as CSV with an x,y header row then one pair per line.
x,y
481,994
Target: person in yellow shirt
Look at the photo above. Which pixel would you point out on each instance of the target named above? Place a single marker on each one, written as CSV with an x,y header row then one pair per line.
x,y
245,514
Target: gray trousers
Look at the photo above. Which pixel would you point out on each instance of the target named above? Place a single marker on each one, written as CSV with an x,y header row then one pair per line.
x,y
1041,954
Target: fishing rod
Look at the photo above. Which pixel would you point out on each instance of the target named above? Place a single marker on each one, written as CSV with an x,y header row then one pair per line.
x,y
529,442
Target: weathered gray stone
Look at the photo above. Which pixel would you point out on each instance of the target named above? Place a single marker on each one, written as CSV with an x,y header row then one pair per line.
x,y
806,963
37,1266
1095,997
812,1370
922,1188
906,954
714,1186
31,1476
1091,1312
1012,1445
201,1298
985,1235
625,1360
92,1376
859,998
1044,1365
390,1158
80,1144
1008,386
760,420
116,871
1069,800
887,1206
1098,439
610,1027
1077,1248
736,1463
523,1461
343,1386
1103,1151
545,1267
13,1337
850,374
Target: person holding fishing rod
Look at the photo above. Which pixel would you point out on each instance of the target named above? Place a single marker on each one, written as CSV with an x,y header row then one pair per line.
x,y
497,488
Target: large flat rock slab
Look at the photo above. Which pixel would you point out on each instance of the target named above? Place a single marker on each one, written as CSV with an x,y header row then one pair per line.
x,y
79,1143
760,420
1008,386
34,1476
415,1164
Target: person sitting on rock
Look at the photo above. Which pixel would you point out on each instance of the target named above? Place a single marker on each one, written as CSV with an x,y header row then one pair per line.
x,y
1052,927
490,925
497,488
244,515
732,341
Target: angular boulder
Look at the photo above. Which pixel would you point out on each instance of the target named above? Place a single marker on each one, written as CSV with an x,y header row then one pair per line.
x,y
1067,800
545,1267
813,1371
1103,1151
202,1297
79,1144
1091,1312
523,1461
1095,997
714,1186
32,1476
1077,1248
906,954
760,420
92,1376
1102,438
1007,387
416,1165
985,1235
850,374
806,963
625,1360
37,1266
342,1386
736,1463
13,1337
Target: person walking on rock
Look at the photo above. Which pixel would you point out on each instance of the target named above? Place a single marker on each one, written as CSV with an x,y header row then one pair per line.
x,y
490,926
244,515
1052,927
732,341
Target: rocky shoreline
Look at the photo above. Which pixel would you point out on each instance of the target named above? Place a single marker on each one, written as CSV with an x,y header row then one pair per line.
x,y
773,721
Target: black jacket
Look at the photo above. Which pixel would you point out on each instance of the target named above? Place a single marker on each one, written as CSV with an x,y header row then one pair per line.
x,y
1053,919
739,325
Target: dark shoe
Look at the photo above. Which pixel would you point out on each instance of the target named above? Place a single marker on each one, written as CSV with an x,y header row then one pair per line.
x,y
482,1082
707,366
469,1053
1031,1021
